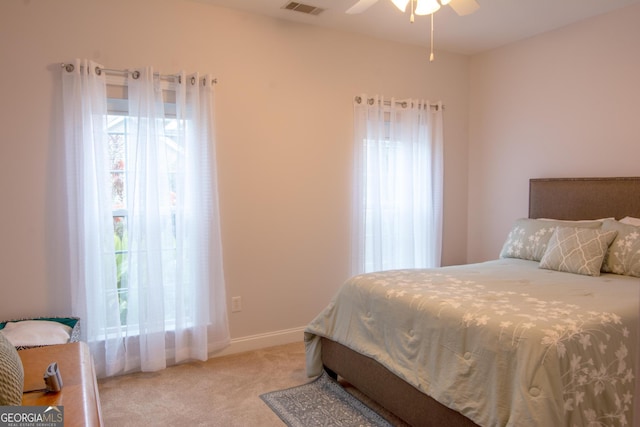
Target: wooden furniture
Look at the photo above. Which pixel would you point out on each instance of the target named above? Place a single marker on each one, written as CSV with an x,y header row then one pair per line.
x,y
79,394
559,198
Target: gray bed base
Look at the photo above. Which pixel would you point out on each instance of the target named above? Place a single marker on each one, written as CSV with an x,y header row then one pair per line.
x,y
558,198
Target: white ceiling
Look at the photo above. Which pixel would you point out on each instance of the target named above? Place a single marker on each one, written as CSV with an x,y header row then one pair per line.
x,y
496,23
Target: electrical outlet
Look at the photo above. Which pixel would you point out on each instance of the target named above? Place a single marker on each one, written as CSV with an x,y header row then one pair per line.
x,y
236,304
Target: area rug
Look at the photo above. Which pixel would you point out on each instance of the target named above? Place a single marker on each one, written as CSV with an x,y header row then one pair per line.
x,y
321,402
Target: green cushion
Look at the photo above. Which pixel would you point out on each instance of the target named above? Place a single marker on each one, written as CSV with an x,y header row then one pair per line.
x,y
11,374
528,237
577,250
623,256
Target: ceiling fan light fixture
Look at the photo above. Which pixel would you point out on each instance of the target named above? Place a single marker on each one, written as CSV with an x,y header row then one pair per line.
x,y
427,7
401,4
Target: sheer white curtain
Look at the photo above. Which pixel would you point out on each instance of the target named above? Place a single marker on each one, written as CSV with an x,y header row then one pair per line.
x,y
91,242
172,305
397,211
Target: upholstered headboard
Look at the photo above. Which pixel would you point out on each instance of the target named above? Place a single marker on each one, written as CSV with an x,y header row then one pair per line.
x,y
584,198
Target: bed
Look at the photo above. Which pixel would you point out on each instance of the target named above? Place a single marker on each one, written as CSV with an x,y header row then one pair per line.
x,y
533,338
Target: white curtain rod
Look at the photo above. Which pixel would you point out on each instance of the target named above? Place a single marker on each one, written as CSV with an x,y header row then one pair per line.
x,y
134,74
403,104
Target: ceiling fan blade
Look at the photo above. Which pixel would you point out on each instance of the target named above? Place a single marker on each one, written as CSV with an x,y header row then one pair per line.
x,y
360,6
464,7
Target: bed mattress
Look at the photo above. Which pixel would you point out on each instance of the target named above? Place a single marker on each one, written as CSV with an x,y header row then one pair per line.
x,y
502,342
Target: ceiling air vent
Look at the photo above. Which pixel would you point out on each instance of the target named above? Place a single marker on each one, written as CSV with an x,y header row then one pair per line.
x,y
303,8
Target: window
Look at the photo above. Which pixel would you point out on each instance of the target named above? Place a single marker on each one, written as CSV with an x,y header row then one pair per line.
x,y
117,128
389,203
145,249
397,193
118,133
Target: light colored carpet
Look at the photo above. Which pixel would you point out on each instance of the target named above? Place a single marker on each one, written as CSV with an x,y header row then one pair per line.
x,y
223,391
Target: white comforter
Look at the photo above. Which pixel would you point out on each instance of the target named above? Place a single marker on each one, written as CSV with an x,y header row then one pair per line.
x,y
503,342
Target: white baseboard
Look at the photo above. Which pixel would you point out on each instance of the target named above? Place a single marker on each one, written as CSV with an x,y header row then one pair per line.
x,y
256,342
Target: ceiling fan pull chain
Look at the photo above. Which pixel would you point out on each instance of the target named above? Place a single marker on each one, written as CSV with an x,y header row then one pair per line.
x,y
431,57
413,18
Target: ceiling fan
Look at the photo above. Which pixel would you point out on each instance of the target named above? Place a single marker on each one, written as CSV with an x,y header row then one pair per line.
x,y
423,7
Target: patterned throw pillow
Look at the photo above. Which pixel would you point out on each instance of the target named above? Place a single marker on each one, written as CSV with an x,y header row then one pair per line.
x,y
11,374
577,250
528,238
623,256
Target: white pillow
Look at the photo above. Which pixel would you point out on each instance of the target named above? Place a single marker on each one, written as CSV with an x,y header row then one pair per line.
x,y
630,220
30,333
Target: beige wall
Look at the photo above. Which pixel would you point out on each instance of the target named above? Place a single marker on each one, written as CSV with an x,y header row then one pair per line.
x,y
563,104
284,141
